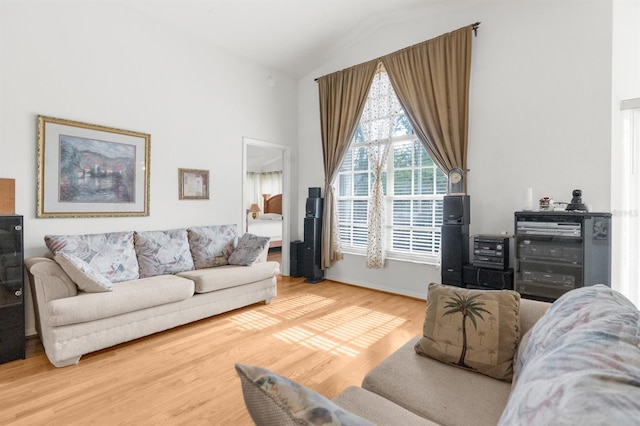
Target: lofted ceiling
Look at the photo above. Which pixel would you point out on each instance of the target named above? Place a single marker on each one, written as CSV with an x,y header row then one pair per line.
x,y
290,36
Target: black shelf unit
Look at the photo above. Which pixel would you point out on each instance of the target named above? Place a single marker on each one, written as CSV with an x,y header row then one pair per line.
x,y
559,251
12,340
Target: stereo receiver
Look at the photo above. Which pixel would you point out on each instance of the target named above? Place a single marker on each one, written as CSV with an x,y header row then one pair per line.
x,y
491,252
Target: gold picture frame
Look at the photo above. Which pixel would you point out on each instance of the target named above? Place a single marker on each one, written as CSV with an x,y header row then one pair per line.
x,y
193,184
87,170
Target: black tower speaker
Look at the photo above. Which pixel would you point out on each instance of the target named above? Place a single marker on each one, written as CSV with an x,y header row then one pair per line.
x,y
312,250
314,192
310,260
314,207
454,244
295,258
455,210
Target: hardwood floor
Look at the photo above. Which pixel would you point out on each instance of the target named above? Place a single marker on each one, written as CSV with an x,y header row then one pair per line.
x,y
326,336
275,254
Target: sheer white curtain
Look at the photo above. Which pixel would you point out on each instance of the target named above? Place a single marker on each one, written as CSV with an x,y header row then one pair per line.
x,y
253,190
271,182
262,183
377,123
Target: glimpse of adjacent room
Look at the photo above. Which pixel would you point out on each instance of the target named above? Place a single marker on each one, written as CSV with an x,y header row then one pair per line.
x,y
263,196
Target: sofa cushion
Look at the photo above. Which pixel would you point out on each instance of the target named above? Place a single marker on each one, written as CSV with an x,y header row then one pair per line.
x,y
474,329
248,250
377,409
212,245
275,400
437,391
163,252
126,297
212,279
581,364
111,254
84,275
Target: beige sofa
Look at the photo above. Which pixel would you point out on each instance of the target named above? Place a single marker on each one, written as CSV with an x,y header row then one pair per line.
x,y
424,391
577,363
167,290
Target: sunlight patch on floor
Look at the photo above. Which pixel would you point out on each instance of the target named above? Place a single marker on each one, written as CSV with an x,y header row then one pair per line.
x,y
346,332
295,306
294,335
254,320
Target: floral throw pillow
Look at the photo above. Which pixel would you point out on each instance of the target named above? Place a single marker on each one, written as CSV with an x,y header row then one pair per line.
x,y
474,329
249,249
112,254
84,275
163,252
275,400
212,245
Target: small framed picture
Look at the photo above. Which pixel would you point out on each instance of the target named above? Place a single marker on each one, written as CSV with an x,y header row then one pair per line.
x,y
193,184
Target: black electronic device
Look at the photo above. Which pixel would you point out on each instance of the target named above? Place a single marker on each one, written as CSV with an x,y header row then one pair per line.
x,y
310,256
454,242
484,278
559,251
454,250
491,252
295,258
456,210
314,192
311,250
313,207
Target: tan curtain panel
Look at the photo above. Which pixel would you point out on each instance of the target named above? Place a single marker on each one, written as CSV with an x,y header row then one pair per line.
x,y
431,80
342,98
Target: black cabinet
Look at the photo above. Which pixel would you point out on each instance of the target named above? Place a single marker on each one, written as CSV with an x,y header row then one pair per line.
x,y
559,251
12,339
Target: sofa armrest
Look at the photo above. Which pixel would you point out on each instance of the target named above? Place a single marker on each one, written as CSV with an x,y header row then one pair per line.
x,y
530,312
48,281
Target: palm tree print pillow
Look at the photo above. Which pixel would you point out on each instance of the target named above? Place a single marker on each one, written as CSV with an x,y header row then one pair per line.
x,y
474,329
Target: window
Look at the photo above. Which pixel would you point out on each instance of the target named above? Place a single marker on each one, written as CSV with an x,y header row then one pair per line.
x,y
413,186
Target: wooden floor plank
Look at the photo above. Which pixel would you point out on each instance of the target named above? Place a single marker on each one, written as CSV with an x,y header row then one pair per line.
x,y
326,336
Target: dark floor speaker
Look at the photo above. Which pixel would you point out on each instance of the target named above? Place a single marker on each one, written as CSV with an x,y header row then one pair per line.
x,y
314,192
455,210
314,207
312,250
311,270
454,249
295,258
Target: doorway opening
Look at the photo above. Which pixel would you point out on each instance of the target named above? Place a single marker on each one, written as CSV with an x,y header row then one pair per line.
x,y
265,198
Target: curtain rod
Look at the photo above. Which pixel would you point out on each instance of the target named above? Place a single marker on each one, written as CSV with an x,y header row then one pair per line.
x,y
474,27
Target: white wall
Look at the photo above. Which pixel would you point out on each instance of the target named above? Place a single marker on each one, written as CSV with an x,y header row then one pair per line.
x,y
104,63
540,113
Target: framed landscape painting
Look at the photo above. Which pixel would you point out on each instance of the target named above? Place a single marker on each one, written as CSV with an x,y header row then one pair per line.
x,y
86,170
